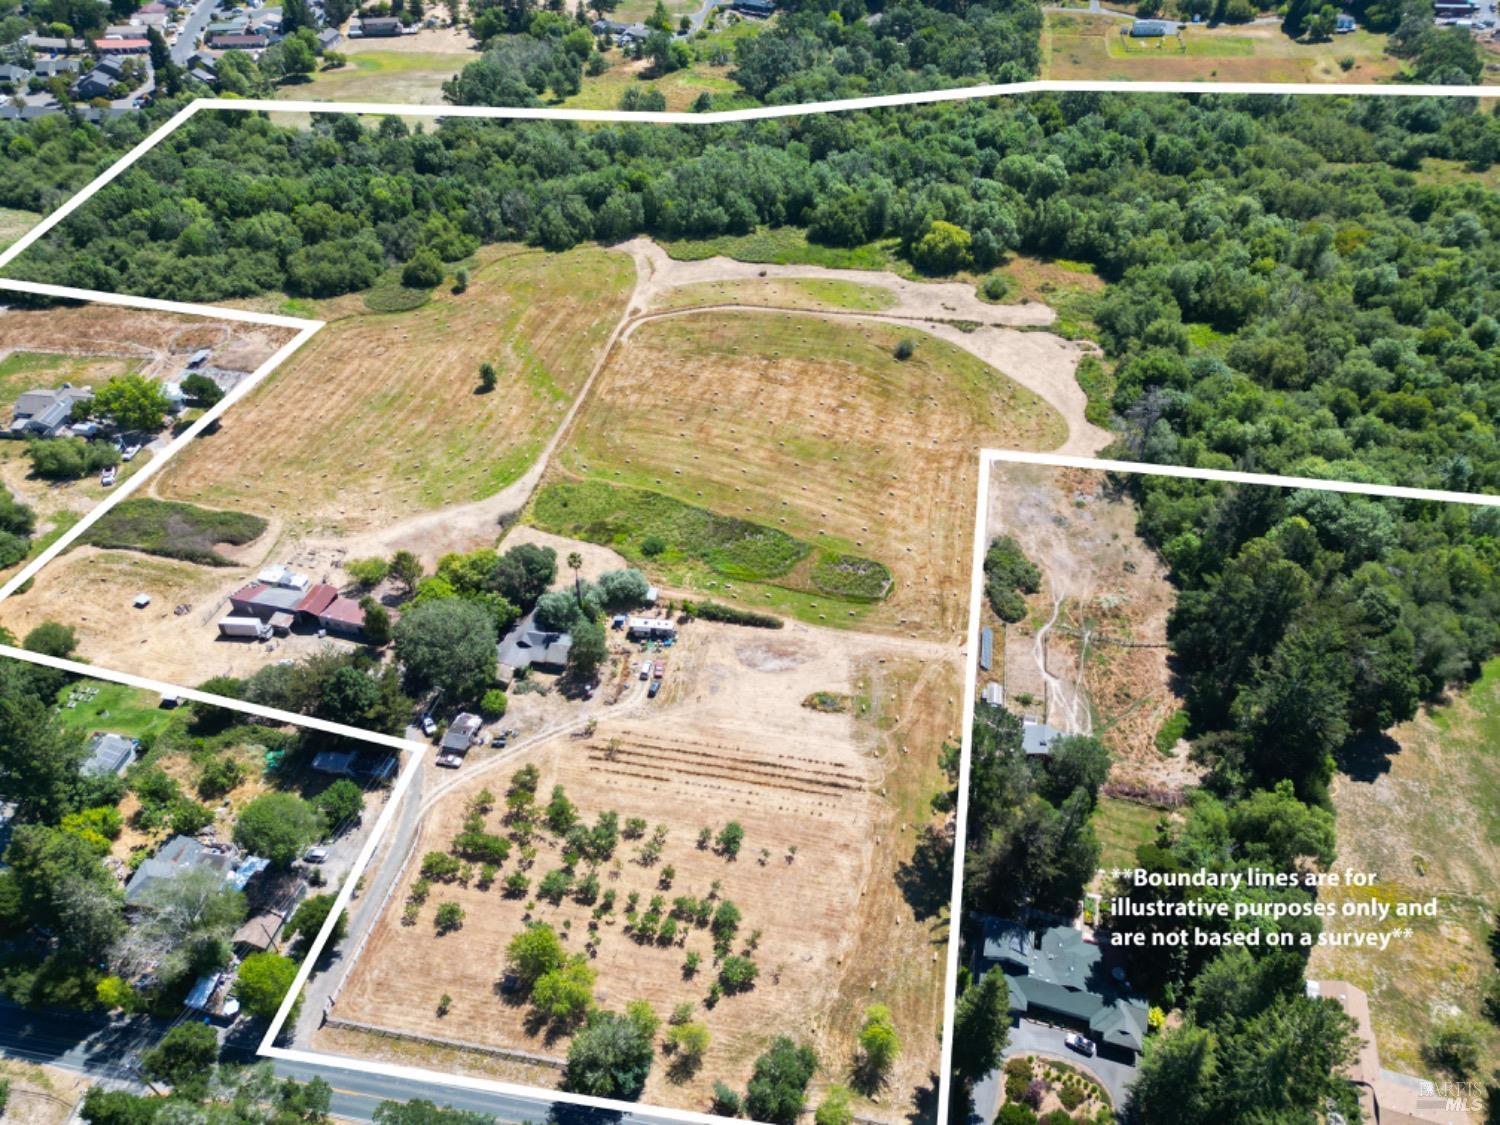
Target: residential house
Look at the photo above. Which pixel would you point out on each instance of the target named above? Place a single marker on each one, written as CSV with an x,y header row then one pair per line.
x,y
179,854
376,27
45,412
329,38
1037,737
51,45
1059,975
527,646
761,9
238,41
122,47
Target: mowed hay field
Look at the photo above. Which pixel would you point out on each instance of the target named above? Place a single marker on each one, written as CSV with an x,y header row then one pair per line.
x,y
1085,46
1423,812
728,739
378,415
811,426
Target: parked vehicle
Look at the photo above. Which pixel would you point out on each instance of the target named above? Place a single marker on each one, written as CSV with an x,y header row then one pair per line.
x,y
129,452
660,670
429,726
315,855
653,689
107,477
449,761
1080,1043
646,670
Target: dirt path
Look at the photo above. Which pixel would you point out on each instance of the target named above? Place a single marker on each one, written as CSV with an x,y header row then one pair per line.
x,y
1037,360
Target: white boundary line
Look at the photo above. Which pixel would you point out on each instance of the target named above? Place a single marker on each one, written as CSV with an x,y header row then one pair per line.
x,y
307,328
988,460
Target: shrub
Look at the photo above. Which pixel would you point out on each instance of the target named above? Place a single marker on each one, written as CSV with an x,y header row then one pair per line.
x,y
725,1103
737,974
424,271
368,572
1071,1096
994,288
713,611
449,917
904,349
494,703
534,952
440,866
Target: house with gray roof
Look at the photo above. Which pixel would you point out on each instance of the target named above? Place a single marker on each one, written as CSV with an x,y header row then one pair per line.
x,y
1037,737
528,646
179,854
1058,975
46,411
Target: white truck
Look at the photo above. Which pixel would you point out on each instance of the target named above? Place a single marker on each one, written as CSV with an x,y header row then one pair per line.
x,y
252,627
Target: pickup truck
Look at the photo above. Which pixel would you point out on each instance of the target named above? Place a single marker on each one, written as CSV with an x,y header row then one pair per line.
x,y
646,670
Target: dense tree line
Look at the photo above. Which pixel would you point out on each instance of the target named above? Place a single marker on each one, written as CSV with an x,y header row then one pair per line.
x,y
822,49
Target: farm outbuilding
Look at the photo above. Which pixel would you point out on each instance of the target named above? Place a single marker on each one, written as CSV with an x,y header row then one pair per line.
x,y
986,648
1037,737
1152,29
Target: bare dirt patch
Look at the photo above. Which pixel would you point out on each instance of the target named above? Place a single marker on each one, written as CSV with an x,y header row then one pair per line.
x,y
727,739
1092,651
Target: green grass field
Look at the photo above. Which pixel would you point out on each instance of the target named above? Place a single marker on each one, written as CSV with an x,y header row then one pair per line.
x,y
1123,826
1091,46
784,246
174,530
700,548
115,707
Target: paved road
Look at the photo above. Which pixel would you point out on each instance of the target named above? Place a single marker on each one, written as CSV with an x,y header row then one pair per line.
x,y
106,1050
187,37
98,1046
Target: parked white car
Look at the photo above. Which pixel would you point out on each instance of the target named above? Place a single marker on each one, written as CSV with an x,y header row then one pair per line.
x,y
107,477
1080,1043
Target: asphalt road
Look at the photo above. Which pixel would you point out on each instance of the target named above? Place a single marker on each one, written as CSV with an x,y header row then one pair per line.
x,y
100,1047
187,37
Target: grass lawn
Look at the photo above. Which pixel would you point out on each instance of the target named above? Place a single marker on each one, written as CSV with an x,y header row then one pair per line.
x,y
123,710
22,371
174,530
1091,46
1424,814
1123,826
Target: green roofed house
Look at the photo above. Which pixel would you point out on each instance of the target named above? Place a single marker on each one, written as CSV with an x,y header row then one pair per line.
x,y
1057,975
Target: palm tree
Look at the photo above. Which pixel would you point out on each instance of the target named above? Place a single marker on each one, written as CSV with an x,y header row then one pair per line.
x,y
575,563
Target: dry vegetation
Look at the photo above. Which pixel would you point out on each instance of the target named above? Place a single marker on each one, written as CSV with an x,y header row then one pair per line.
x,y
379,415
1422,809
1100,665
811,426
844,921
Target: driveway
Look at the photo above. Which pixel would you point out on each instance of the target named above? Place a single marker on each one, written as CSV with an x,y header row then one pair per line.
x,y
1031,1038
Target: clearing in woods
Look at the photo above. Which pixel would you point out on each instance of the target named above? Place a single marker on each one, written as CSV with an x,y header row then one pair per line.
x,y
1090,655
856,914
810,426
380,414
1389,822
410,70
1090,46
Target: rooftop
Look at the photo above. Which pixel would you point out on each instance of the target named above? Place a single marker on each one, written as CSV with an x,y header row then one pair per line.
x,y
109,753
